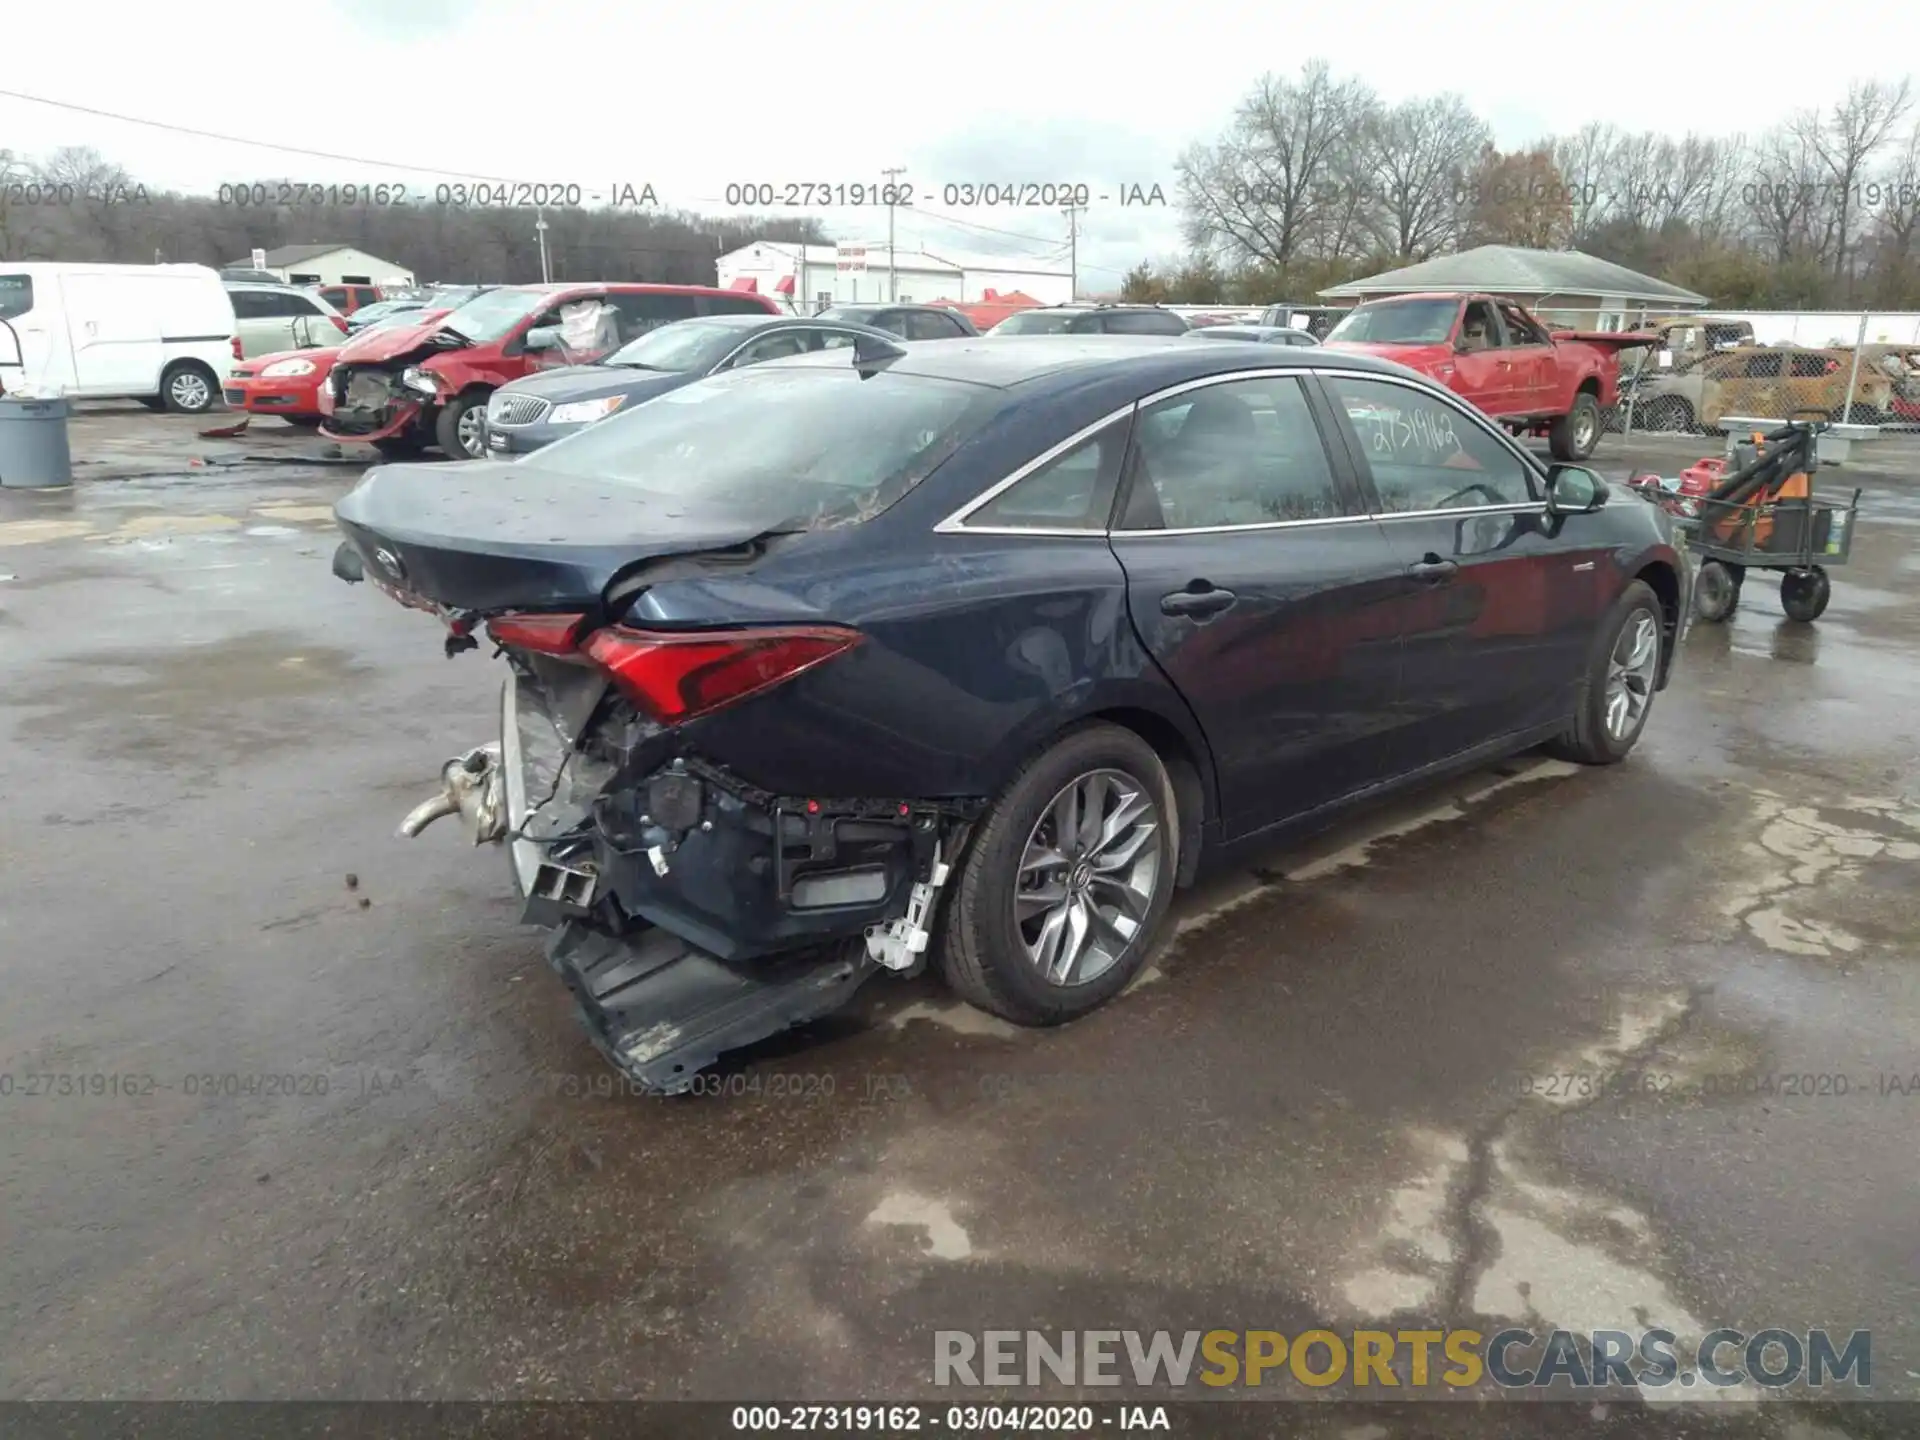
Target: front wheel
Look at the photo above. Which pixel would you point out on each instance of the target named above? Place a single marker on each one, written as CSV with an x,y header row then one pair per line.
x,y
1574,435
1804,594
1068,878
461,427
1622,676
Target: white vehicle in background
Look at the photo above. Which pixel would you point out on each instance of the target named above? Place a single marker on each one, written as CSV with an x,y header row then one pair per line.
x,y
272,318
161,334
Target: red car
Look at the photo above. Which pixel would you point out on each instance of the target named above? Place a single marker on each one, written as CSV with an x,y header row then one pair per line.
x,y
288,384
403,388
1492,352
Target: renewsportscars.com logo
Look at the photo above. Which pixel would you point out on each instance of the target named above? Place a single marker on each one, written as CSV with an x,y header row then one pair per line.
x,y
1412,1359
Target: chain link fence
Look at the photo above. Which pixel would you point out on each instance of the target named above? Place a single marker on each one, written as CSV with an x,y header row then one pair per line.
x,y
1706,377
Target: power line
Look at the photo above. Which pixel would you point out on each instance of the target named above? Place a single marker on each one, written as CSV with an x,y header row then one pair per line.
x,y
169,127
263,144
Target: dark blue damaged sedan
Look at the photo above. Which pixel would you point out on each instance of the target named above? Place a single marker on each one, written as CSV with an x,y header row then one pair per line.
x,y
968,653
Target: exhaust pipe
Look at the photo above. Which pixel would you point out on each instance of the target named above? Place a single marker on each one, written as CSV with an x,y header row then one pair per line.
x,y
473,788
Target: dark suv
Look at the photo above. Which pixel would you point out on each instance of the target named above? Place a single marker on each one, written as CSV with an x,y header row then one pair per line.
x,y
1092,320
909,322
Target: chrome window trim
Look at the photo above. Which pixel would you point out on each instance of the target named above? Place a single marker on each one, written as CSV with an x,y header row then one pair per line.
x,y
1314,523
955,524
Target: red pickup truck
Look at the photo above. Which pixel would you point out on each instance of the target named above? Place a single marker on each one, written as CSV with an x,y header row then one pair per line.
x,y
1494,353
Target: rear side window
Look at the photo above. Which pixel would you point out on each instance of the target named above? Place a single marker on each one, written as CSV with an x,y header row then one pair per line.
x,y
1244,452
641,313
1073,491
251,304
16,295
926,325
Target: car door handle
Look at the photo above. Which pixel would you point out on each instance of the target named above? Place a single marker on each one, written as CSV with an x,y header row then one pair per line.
x,y
1198,604
1433,570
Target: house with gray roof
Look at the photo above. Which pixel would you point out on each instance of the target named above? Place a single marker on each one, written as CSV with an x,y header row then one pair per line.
x,y
1565,287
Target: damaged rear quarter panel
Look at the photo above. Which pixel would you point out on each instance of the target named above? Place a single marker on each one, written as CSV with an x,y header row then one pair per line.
x,y
977,649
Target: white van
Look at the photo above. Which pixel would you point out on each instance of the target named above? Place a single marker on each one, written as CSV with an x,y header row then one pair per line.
x,y
162,334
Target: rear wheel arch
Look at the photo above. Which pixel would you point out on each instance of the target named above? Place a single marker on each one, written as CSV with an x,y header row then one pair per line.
x,y
1191,790
1188,764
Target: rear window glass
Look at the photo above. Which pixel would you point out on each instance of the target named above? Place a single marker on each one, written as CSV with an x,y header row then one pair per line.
x,y
785,448
16,295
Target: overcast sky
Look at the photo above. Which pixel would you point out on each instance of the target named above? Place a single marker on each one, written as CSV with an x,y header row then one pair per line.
x,y
690,98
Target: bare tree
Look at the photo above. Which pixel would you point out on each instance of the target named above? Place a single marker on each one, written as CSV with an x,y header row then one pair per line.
x,y
1893,232
1420,153
89,174
1781,201
1848,142
1261,191
1589,161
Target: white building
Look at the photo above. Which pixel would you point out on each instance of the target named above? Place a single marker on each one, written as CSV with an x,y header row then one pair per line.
x,y
328,265
811,277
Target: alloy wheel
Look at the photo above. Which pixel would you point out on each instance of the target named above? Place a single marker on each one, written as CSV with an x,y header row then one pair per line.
x,y
190,391
1088,876
473,432
1630,675
1583,430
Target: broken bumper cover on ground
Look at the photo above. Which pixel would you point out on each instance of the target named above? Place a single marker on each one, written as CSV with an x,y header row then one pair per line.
x,y
662,1010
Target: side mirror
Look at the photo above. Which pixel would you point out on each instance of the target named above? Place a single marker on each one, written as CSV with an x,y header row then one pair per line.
x,y
1459,344
541,337
1574,490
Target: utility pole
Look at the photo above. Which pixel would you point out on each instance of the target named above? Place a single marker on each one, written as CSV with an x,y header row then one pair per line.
x,y
893,278
540,234
1072,212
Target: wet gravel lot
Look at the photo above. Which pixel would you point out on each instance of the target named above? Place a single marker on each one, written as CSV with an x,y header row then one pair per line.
x,y
1540,1046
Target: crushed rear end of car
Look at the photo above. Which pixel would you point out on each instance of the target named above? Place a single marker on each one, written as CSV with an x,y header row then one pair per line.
x,y
694,907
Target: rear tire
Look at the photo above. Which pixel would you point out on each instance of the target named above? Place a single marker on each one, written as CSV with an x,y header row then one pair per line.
x,y
994,944
1804,594
1622,675
1574,435
189,388
1670,415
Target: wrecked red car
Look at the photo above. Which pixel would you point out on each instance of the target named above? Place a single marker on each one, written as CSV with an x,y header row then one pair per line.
x,y
288,384
408,388
1535,381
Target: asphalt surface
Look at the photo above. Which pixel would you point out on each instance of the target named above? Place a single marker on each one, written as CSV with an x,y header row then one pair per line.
x,y
329,1128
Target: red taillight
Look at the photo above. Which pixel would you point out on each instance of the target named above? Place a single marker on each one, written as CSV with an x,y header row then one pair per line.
x,y
339,323
234,342
548,634
679,677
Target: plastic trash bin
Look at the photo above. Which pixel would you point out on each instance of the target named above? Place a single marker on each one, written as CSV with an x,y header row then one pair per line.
x,y
33,443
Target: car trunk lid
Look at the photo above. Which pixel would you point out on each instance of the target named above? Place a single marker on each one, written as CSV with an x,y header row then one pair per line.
x,y
490,536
